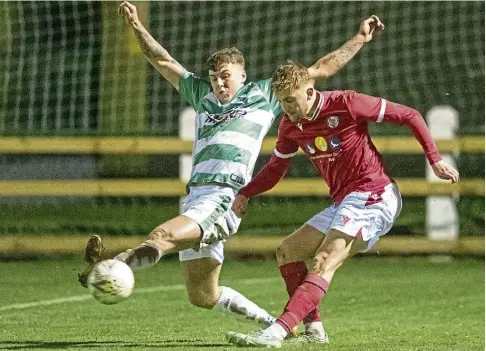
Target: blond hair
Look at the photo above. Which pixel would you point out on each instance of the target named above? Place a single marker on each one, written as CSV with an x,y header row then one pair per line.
x,y
289,77
225,56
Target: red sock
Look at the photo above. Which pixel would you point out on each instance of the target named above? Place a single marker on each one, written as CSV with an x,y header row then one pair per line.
x,y
294,274
305,299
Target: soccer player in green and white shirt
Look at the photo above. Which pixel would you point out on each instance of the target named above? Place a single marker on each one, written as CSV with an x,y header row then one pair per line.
x,y
232,119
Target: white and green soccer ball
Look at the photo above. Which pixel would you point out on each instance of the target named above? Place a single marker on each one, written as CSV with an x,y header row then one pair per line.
x,y
111,281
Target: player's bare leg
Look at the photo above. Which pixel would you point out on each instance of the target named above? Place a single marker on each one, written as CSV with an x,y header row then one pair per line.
x,y
170,237
92,255
175,235
332,253
202,282
292,253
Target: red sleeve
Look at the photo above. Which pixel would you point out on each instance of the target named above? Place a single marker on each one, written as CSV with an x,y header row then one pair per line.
x,y
373,109
275,169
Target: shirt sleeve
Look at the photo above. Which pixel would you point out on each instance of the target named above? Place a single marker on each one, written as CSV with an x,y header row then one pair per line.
x,y
275,169
374,109
266,87
365,108
193,89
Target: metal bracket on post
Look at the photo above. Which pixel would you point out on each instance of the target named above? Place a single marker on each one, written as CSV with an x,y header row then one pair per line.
x,y
442,220
187,132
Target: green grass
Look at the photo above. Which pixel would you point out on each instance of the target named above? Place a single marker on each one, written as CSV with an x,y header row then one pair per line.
x,y
373,304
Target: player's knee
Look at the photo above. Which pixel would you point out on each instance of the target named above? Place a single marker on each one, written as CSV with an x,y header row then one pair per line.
x,y
203,299
324,264
285,253
161,235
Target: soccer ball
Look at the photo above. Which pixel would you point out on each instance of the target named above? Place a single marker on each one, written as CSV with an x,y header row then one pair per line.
x,y
111,281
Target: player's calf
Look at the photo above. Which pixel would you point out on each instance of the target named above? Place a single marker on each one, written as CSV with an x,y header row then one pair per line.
x,y
175,235
203,299
232,301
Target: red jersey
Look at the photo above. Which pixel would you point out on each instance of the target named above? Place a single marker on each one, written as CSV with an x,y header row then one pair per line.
x,y
337,141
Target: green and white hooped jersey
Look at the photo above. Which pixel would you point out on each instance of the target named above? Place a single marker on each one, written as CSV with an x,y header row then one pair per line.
x,y
228,137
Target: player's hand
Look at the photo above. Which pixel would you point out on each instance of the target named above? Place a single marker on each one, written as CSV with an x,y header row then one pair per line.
x,y
444,170
239,205
370,26
129,11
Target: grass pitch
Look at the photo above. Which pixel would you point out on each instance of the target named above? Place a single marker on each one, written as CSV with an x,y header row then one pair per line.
x,y
373,304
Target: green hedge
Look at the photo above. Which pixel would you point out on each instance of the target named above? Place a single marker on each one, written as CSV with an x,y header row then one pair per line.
x,y
129,216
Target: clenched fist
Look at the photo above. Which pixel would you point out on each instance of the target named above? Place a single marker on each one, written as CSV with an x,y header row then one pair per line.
x,y
129,11
239,205
369,25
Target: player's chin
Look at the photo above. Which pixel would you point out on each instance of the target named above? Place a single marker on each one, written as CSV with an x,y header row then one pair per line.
x,y
224,98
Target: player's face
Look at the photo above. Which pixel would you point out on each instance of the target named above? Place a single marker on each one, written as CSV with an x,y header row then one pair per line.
x,y
295,103
227,80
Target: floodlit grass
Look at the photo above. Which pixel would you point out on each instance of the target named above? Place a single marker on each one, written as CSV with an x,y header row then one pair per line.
x,y
373,304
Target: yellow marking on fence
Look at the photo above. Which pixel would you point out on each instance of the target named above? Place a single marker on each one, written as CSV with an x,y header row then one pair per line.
x,y
175,187
173,145
259,245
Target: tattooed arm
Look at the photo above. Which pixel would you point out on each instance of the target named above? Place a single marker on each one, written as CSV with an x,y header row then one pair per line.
x,y
333,62
153,51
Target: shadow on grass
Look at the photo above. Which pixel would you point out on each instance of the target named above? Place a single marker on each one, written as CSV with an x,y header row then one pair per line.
x,y
23,345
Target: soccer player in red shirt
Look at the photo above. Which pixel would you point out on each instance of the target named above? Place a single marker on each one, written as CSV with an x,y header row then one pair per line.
x,y
331,127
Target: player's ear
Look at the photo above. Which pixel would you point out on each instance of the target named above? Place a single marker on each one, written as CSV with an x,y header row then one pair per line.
x,y
243,76
310,93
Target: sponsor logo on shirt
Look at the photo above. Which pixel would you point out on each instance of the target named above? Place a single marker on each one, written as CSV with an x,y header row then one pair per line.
x,y
321,143
335,143
311,149
330,156
237,179
333,121
232,114
346,219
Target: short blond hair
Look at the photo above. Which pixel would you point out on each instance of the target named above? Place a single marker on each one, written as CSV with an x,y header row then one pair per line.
x,y
289,77
225,56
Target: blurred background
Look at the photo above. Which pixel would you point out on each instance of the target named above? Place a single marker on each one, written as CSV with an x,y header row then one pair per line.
x,y
90,133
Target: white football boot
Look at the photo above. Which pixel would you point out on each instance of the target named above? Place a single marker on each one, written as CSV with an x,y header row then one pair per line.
x,y
256,339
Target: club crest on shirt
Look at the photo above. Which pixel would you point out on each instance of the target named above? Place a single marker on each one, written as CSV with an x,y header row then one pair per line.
x,y
321,143
333,121
310,149
335,143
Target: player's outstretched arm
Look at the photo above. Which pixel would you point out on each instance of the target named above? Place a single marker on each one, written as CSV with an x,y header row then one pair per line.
x,y
333,62
153,51
367,108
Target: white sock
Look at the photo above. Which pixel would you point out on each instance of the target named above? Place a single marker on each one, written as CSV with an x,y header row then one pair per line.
x,y
145,255
231,300
275,331
315,328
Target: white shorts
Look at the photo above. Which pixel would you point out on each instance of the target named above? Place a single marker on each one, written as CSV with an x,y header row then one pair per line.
x,y
210,207
365,214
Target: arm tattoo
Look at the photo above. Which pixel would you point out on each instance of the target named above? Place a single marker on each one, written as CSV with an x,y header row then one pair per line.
x,y
149,46
341,56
